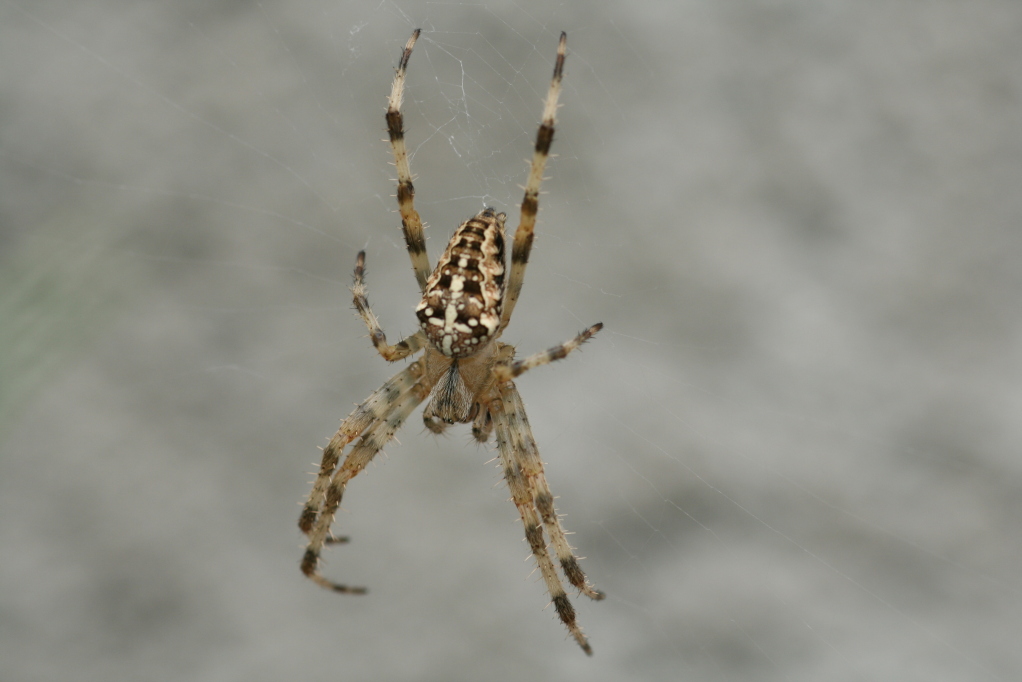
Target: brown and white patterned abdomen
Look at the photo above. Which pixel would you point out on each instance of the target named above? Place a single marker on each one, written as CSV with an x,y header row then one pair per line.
x,y
460,310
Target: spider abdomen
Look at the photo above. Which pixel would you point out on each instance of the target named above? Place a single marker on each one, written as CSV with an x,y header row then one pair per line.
x,y
460,309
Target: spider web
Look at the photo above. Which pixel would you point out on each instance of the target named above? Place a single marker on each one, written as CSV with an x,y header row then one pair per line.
x,y
790,454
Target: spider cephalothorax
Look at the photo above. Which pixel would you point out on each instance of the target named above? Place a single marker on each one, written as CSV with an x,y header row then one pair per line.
x,y
465,371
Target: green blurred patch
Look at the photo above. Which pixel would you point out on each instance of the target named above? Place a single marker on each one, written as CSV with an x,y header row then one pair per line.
x,y
60,283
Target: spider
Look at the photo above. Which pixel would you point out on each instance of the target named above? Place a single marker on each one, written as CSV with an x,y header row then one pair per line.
x,y
465,371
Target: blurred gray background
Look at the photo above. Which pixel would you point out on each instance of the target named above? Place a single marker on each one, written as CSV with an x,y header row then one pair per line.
x,y
792,454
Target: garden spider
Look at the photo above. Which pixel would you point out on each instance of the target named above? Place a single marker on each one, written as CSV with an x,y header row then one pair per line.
x,y
465,371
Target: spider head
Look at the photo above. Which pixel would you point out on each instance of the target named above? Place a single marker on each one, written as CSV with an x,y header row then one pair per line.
x,y
460,309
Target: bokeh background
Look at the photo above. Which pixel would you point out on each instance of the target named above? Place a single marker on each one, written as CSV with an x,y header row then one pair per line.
x,y
792,454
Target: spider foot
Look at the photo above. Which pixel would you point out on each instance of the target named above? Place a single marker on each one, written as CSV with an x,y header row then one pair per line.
x,y
310,567
336,541
567,615
591,592
576,577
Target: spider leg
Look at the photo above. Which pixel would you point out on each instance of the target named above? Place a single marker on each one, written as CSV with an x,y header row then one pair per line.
x,y
395,407
399,350
373,409
357,459
505,372
523,471
525,446
411,223
530,203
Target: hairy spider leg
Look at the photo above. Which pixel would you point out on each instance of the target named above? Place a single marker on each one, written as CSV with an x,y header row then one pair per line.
x,y
401,349
411,223
530,203
377,420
